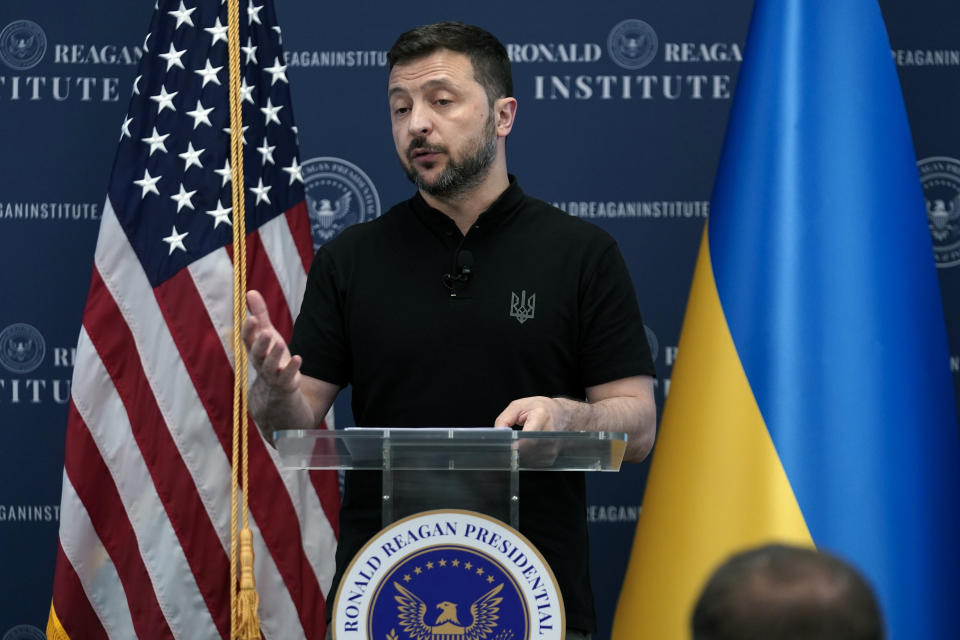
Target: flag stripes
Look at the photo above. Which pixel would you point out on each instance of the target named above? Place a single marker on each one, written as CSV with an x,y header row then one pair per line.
x,y
100,499
86,581
148,453
160,355
77,610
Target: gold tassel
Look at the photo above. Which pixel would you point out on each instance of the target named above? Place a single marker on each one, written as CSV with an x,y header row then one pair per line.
x,y
248,623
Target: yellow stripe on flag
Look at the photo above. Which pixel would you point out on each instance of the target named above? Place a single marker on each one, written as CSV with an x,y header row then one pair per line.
x,y
716,484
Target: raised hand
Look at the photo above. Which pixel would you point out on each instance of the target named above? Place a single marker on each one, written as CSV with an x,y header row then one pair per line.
x,y
267,349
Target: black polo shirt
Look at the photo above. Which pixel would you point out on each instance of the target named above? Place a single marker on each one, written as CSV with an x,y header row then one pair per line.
x,y
548,309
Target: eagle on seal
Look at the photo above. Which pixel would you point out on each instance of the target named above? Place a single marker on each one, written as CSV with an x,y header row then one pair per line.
x,y
412,610
942,217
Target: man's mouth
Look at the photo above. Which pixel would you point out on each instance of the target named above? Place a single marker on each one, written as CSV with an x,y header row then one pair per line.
x,y
424,154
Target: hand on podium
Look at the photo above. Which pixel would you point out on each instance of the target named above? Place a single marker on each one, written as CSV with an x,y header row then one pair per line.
x,y
626,405
537,413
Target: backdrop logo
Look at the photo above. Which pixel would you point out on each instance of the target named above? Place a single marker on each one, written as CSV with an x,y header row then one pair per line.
x,y
338,194
940,177
448,574
22,44
24,632
21,348
632,44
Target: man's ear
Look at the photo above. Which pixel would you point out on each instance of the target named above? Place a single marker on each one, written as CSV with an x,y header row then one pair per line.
x,y
505,112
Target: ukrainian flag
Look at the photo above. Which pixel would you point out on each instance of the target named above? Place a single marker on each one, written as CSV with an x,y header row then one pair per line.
x,y
812,399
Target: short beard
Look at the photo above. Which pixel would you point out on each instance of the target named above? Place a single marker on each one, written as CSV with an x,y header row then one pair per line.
x,y
458,177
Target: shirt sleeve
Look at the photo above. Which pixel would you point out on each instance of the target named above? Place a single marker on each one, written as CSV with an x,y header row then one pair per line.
x,y
613,341
319,332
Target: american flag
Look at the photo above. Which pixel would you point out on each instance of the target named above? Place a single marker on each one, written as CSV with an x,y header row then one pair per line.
x,y
145,510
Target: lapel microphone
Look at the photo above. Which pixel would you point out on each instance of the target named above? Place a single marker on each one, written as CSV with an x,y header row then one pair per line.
x,y
463,269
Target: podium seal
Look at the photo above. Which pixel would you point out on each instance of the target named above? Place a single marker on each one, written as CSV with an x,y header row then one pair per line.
x,y
448,575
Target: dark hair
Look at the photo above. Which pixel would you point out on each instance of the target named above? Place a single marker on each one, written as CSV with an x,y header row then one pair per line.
x,y
778,592
491,64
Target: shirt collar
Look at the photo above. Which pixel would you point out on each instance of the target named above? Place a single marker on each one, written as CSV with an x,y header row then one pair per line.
x,y
505,205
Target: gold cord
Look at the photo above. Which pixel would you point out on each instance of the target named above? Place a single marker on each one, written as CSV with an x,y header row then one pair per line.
x,y
244,623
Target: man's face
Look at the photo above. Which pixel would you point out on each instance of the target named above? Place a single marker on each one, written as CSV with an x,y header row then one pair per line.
x,y
443,127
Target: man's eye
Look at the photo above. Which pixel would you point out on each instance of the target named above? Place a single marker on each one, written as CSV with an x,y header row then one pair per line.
x,y
400,110
444,102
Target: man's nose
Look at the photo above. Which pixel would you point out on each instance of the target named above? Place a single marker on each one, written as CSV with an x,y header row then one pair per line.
x,y
420,122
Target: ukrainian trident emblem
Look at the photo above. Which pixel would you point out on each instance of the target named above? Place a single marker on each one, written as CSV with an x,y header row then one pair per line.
x,y
521,307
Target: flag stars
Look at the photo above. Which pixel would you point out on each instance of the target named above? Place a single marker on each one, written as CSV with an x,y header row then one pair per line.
x,y
246,91
277,71
200,115
136,85
253,13
164,100
172,56
251,51
182,15
243,131
175,240
225,172
266,152
270,113
155,141
146,39
148,183
279,34
220,214
261,191
191,157
208,73
125,128
296,175
217,32
183,198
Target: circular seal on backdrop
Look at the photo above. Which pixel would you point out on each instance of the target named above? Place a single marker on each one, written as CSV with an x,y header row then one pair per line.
x,y
940,177
24,632
22,44
652,342
448,574
22,348
632,44
338,194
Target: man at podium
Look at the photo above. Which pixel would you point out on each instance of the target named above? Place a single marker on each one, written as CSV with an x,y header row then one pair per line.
x,y
470,304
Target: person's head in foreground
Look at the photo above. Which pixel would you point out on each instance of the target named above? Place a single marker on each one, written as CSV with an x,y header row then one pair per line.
x,y
778,592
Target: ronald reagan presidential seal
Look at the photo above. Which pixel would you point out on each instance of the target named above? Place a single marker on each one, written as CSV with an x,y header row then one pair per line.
x,y
338,194
22,44
940,177
448,575
22,348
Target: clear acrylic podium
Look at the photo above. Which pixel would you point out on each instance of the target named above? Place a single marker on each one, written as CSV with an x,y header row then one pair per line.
x,y
428,468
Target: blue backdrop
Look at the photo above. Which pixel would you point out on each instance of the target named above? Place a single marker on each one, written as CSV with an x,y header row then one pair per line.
x,y
627,138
